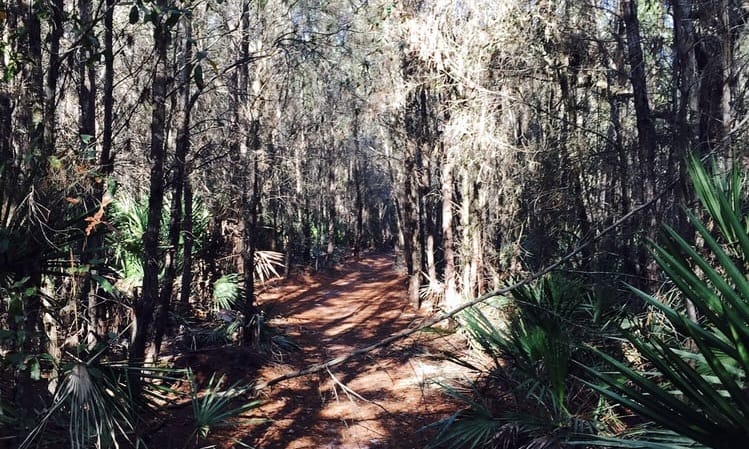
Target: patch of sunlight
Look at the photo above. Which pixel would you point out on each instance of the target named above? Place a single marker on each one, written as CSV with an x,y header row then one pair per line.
x,y
429,375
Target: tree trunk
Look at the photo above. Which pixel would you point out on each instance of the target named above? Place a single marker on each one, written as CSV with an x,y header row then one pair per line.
x,y
357,178
452,299
645,125
32,106
189,239
249,147
144,307
53,76
685,103
410,232
359,210
7,91
332,215
106,162
714,58
430,219
93,246
250,310
177,177
645,132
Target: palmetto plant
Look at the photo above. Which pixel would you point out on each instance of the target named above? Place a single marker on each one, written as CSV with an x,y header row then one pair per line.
x,y
526,399
130,220
227,291
96,401
217,406
697,389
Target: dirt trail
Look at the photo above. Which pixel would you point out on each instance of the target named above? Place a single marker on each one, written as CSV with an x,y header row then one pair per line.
x,y
379,401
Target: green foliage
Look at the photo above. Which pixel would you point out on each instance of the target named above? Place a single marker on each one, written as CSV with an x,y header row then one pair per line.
x,y
227,291
130,220
695,385
96,401
527,397
217,406
470,429
544,329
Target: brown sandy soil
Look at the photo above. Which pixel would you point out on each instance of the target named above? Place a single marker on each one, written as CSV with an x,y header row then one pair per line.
x,y
380,400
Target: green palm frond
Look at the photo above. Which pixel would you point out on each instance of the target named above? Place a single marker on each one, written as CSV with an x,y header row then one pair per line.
x,y
97,402
130,220
468,428
698,393
641,438
201,219
532,351
217,406
227,291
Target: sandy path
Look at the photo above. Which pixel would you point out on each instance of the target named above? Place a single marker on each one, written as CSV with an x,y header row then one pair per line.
x,y
379,401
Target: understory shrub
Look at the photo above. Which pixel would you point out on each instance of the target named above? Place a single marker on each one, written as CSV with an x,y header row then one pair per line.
x,y
560,376
527,395
692,382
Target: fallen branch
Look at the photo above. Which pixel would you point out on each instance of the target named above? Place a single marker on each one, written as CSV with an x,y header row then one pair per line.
x,y
447,315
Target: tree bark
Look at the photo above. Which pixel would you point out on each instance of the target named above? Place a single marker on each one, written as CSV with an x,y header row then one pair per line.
x,y
410,231
358,200
452,299
359,210
7,91
144,306
177,180
53,76
250,216
685,104
93,246
646,135
714,58
645,126
189,239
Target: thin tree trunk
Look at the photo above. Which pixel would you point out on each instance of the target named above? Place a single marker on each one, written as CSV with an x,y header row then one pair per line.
x,y
430,221
33,105
685,101
410,242
332,217
177,185
713,54
249,146
189,239
359,207
6,113
106,162
357,175
645,131
452,300
144,306
250,310
93,246
645,126
53,76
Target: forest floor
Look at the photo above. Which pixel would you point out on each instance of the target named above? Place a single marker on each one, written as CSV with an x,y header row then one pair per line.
x,y
379,400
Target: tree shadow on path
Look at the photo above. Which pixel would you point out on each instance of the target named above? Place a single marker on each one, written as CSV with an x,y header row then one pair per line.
x,y
379,400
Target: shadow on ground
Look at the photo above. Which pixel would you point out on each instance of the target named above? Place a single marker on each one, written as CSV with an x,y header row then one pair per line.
x,y
379,400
